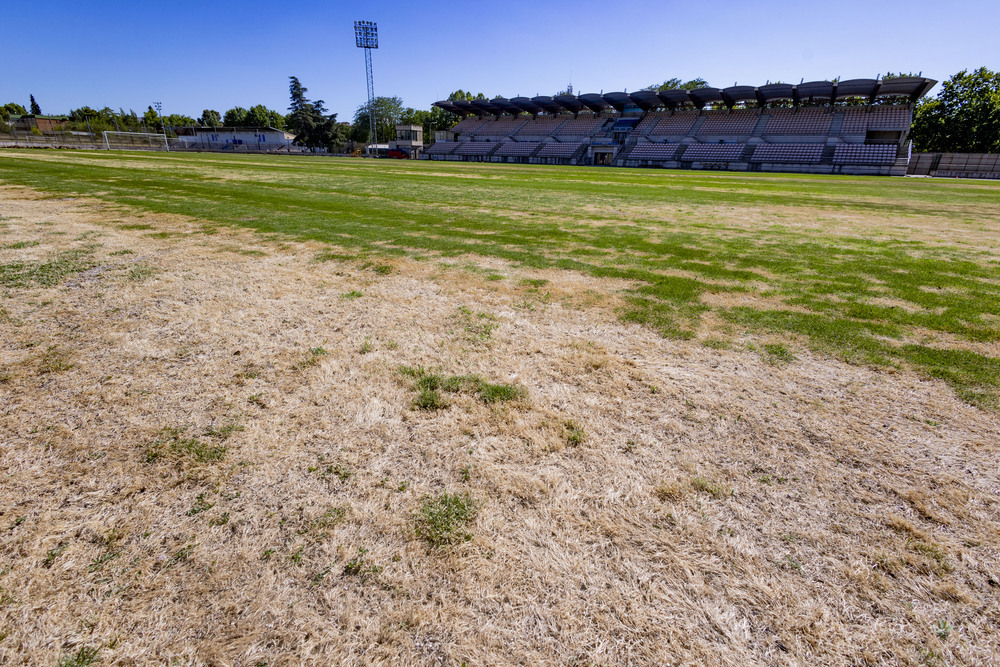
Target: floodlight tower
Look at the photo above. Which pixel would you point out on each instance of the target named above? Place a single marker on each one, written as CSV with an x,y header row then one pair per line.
x,y
163,124
366,37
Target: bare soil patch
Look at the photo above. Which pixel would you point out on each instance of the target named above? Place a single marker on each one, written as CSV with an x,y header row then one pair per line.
x,y
210,456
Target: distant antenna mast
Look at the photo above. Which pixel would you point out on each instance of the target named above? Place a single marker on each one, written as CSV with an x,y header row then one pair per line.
x,y
366,37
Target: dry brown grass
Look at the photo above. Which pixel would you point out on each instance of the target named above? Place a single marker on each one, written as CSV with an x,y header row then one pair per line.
x,y
201,466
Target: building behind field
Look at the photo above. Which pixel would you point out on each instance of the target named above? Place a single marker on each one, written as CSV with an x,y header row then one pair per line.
x,y
257,139
31,122
857,126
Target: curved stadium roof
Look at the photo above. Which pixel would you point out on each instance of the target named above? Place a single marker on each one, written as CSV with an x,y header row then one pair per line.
x,y
912,87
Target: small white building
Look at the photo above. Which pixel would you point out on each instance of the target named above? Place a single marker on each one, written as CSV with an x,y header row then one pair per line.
x,y
263,139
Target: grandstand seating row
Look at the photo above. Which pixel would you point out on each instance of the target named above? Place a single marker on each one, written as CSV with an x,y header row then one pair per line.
x,y
801,138
803,121
860,120
786,121
862,154
504,149
788,153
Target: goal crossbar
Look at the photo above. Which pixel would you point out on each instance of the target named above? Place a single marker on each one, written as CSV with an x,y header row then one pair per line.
x,y
137,140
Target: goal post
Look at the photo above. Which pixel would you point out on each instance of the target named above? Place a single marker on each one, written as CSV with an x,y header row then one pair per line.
x,y
142,141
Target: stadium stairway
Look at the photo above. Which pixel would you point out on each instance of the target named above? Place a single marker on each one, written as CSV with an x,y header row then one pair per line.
x,y
758,130
696,128
836,124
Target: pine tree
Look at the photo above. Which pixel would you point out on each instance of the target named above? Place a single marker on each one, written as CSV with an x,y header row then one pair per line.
x,y
35,109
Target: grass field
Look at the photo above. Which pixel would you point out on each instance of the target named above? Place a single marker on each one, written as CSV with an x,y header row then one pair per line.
x,y
887,272
281,410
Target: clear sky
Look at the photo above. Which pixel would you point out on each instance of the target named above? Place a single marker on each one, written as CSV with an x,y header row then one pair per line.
x,y
198,55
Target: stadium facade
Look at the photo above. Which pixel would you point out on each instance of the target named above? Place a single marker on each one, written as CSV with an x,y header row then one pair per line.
x,y
856,126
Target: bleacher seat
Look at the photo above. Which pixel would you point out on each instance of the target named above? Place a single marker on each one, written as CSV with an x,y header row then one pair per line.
x,y
732,124
713,152
654,152
504,127
441,148
517,148
579,127
475,147
788,153
859,120
865,154
555,149
467,125
540,127
803,121
677,125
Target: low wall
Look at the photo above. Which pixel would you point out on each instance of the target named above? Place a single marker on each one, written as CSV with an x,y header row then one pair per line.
x,y
955,165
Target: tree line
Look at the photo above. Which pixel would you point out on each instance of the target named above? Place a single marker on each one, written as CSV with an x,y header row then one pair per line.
x,y
313,125
964,117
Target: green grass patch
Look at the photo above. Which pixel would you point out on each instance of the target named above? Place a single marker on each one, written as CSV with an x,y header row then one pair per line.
x,y
778,353
18,245
443,520
46,273
710,487
431,388
173,443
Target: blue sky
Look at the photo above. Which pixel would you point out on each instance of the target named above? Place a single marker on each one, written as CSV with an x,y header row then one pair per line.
x,y
197,55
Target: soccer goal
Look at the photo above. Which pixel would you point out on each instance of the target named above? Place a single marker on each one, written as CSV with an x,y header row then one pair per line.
x,y
138,141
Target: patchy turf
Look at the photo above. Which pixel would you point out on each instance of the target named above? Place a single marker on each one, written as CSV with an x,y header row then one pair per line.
x,y
214,450
862,268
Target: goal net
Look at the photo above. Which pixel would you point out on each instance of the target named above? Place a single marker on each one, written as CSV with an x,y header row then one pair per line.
x,y
139,141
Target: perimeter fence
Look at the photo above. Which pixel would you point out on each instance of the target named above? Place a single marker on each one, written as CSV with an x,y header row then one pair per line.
x,y
85,141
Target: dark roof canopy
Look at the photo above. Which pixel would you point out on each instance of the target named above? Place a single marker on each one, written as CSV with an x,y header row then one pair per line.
x,y
674,98
487,106
703,96
776,91
618,100
569,102
911,87
548,104
594,102
645,99
736,94
856,88
506,105
525,104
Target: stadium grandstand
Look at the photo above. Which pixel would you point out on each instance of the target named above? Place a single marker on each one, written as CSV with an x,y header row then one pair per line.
x,y
855,126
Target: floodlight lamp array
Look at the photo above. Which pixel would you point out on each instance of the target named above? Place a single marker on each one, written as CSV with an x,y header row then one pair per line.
x,y
366,34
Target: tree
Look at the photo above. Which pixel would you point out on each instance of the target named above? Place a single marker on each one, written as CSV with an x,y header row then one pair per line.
x,y
151,118
297,92
313,128
35,109
179,120
210,118
14,109
261,116
677,84
462,95
963,118
235,117
388,111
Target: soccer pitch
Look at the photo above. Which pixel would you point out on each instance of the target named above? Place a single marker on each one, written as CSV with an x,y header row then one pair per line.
x,y
269,410
879,271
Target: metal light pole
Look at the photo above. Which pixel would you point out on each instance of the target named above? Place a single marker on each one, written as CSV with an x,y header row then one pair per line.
x,y
366,37
163,124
